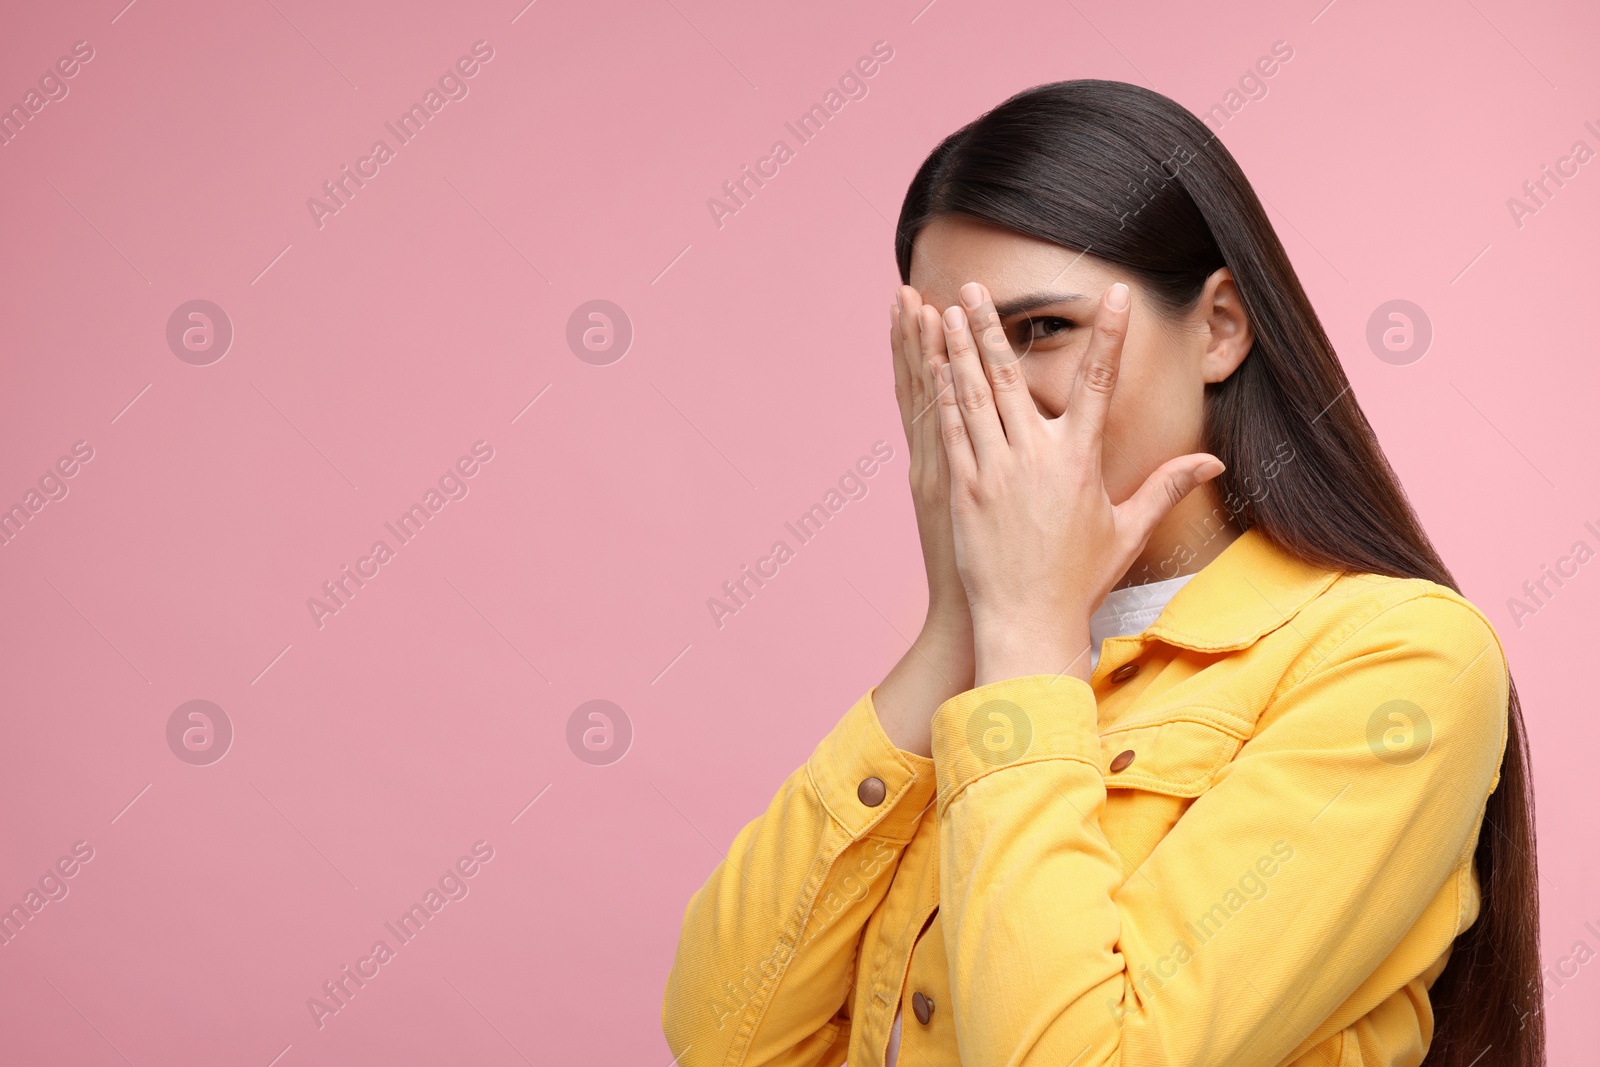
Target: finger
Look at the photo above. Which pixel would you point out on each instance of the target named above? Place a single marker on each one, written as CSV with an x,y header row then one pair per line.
x,y
931,353
935,439
974,398
906,386
1006,380
955,438
908,319
1160,493
1097,375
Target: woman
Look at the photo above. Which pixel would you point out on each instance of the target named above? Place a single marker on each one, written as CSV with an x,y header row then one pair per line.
x,y
1200,757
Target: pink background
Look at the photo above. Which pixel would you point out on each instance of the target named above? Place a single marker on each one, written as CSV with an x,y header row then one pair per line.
x,y
373,351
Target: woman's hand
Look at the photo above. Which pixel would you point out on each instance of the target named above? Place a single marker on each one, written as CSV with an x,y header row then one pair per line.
x,y
1038,542
939,663
917,341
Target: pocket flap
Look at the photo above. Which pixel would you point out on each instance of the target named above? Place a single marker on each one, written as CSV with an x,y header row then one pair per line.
x,y
1180,757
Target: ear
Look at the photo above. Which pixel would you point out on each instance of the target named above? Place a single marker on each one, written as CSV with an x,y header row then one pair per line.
x,y
1230,333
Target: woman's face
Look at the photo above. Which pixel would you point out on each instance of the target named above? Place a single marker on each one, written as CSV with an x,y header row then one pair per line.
x,y
1046,296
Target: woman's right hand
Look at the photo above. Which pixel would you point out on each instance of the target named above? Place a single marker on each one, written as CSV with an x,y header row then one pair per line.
x,y
939,663
916,337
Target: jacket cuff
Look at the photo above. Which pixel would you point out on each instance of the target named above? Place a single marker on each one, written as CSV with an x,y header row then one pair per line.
x,y
1011,722
857,750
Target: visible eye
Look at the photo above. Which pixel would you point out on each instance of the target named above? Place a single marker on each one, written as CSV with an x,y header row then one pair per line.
x,y
1030,332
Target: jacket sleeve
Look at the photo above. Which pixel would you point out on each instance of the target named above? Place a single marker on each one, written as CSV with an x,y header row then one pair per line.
x,y
766,957
1273,898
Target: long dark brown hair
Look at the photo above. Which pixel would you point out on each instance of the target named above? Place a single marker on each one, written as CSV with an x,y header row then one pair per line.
x,y
1128,176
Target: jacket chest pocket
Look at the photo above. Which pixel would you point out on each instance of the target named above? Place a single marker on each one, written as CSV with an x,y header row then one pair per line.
x,y
1154,771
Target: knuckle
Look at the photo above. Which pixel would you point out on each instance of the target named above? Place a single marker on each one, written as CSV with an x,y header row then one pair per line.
x,y
1114,328
1007,376
1100,377
974,398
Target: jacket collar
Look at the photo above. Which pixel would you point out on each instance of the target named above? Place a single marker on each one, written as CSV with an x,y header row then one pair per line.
x,y
1250,589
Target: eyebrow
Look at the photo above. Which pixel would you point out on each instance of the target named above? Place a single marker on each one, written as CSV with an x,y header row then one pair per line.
x,y
1035,300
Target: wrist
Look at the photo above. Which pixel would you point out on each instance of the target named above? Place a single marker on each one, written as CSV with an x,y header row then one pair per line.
x,y
947,623
945,645
1016,649
936,667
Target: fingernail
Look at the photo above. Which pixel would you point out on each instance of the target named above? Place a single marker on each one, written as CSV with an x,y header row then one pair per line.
x,y
972,294
954,318
944,374
1117,297
897,298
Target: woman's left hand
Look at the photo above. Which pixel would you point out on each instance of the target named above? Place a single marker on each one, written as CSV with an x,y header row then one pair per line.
x,y
1038,541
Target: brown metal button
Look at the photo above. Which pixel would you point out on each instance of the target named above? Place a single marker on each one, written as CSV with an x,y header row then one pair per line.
x,y
871,792
1123,761
1124,672
922,1006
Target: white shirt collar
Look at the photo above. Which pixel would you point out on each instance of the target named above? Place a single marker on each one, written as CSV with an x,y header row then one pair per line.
x,y
1129,610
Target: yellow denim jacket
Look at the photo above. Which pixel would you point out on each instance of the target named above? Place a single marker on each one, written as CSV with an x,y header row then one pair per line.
x,y
1247,840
